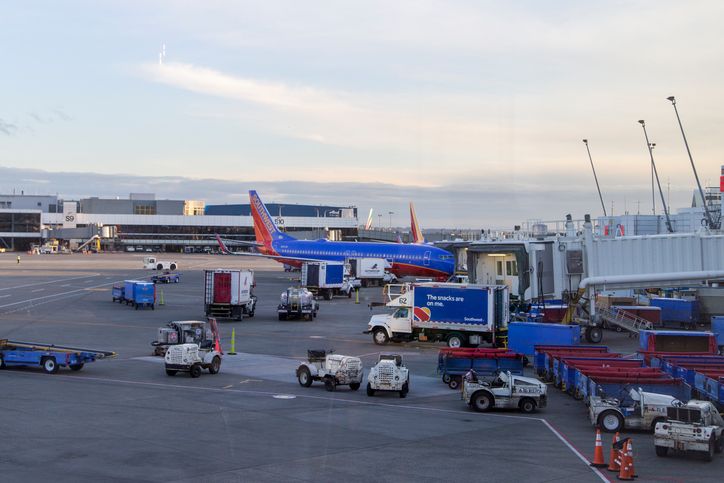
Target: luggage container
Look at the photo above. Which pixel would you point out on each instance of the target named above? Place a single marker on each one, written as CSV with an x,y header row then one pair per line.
x,y
453,364
717,327
524,336
677,341
683,313
118,292
544,355
619,387
140,294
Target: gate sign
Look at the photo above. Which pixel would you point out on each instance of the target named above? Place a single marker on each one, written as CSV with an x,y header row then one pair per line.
x,y
70,215
452,305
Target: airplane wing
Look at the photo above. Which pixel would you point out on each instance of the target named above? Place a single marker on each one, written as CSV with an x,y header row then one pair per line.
x,y
226,251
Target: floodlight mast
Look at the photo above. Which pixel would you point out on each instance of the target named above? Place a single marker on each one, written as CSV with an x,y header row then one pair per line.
x,y
585,141
709,219
656,174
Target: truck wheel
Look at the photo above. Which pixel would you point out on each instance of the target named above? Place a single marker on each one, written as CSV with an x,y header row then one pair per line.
x,y
304,377
526,405
610,421
136,306
49,365
354,385
215,365
380,337
171,372
455,382
719,447
328,295
661,451
172,267
159,267
709,455
455,340
330,384
483,402
370,391
594,335
250,314
76,367
349,294
446,378
282,317
195,370
405,390
2,362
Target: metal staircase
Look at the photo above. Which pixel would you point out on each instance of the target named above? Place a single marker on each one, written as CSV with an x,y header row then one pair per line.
x,y
625,320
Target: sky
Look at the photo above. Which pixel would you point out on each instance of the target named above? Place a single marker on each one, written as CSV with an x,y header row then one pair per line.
x,y
474,110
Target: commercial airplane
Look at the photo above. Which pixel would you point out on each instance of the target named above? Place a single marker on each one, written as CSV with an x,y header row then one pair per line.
x,y
405,260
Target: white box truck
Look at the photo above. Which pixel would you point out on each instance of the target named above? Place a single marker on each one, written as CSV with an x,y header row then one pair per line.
x,y
370,271
229,293
461,315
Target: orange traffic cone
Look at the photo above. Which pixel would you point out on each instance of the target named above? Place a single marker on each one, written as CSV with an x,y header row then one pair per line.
x,y
631,458
217,346
614,463
598,452
625,471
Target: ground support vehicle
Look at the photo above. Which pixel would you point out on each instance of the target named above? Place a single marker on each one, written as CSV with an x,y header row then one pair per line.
x,y
183,332
390,375
297,303
370,271
326,279
460,315
152,263
118,292
140,294
505,391
636,410
453,364
166,277
229,293
704,372
696,427
191,358
48,356
332,369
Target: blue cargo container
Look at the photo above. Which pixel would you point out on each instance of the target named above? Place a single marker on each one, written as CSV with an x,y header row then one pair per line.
x,y
118,293
524,336
676,341
717,326
681,312
140,294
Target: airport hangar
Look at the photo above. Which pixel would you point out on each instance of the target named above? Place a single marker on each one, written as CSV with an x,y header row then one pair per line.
x,y
142,222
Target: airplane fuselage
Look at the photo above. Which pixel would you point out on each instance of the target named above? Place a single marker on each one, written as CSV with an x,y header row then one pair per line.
x,y
406,259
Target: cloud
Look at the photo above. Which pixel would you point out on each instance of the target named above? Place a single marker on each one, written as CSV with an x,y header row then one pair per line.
x,y
8,128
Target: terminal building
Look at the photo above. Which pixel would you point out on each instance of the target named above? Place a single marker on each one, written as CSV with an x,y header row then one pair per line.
x,y
142,222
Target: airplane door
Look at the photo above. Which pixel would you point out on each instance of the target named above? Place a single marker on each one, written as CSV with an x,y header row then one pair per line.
x,y
426,258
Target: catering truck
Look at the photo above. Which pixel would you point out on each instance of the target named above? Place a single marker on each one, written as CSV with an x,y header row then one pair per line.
x,y
326,279
459,315
370,271
229,293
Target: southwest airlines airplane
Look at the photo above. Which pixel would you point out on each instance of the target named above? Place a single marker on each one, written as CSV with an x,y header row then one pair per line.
x,y
405,260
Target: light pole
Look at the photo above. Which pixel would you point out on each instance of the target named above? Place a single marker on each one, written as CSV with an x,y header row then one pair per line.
x,y
656,175
585,141
653,190
379,221
709,220
390,213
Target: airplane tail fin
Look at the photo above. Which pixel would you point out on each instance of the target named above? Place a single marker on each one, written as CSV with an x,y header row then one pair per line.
x,y
265,229
417,236
222,245
368,225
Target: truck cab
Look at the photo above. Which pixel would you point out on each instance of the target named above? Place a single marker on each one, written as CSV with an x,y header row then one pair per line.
x,y
696,426
637,410
504,391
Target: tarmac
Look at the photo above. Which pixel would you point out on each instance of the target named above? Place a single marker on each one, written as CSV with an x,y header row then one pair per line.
x,y
124,419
